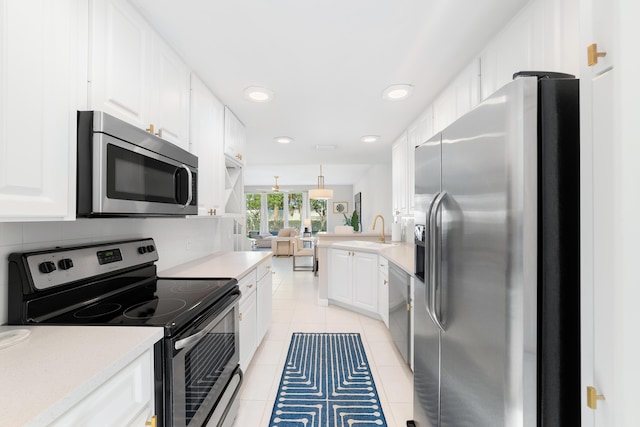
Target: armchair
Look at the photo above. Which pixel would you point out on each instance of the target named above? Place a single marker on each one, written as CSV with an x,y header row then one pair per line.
x,y
283,242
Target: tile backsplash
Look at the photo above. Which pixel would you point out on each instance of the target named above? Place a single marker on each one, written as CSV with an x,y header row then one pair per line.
x,y
178,239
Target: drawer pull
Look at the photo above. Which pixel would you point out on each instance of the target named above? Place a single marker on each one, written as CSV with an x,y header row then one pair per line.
x,y
153,422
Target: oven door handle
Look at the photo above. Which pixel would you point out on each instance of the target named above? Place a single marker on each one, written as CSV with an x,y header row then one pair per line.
x,y
185,342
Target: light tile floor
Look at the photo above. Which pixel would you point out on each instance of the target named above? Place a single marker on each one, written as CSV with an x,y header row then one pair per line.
x,y
296,309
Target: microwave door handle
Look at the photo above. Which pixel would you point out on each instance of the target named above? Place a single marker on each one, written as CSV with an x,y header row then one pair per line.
x,y
189,185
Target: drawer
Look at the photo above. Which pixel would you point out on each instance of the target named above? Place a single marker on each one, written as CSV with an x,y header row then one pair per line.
x,y
264,268
248,284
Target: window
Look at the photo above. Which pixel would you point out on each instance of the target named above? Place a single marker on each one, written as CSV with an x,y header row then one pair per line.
x,y
275,208
295,210
253,211
318,215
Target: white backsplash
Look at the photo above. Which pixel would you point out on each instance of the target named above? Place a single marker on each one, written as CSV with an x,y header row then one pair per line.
x,y
178,239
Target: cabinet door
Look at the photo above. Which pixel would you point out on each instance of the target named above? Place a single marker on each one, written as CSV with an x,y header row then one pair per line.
x,y
409,167
264,306
365,279
248,329
340,276
37,109
169,95
119,70
383,292
126,399
234,136
206,135
399,174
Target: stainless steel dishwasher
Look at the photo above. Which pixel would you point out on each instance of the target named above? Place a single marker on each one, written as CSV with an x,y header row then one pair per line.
x,y
400,309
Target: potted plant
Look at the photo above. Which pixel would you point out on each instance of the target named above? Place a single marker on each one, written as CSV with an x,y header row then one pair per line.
x,y
352,220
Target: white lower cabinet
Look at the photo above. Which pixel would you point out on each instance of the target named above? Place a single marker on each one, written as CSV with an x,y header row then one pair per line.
x,y
126,399
248,319
255,310
264,299
353,277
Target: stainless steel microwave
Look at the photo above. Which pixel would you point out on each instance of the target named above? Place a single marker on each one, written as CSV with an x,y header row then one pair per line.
x,y
124,171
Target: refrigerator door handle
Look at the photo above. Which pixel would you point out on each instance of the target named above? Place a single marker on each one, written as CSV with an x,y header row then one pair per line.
x,y
427,261
435,244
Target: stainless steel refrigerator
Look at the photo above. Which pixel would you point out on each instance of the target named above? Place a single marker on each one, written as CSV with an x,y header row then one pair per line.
x,y
497,290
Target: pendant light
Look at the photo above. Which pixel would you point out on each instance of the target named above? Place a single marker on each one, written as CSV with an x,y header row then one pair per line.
x,y
321,193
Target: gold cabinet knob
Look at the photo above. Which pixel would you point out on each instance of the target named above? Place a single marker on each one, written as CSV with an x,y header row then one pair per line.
x,y
593,54
386,282
153,422
593,397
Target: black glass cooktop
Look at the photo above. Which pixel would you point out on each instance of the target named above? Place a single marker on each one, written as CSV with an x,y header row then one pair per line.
x,y
170,303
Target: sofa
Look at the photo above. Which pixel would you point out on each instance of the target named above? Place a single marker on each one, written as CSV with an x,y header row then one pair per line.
x,y
263,240
282,244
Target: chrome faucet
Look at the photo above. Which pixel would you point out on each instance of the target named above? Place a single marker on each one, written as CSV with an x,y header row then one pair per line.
x,y
375,219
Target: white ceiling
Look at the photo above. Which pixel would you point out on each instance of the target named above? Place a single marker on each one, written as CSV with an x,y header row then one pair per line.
x,y
327,63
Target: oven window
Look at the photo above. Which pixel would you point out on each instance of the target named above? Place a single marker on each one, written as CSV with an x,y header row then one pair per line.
x,y
207,365
132,176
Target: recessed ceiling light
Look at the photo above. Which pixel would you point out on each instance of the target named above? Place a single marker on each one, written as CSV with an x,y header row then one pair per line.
x,y
283,139
369,138
397,92
258,94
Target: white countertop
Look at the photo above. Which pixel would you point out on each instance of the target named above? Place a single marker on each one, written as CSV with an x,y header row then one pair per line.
x,y
55,367
400,253
220,264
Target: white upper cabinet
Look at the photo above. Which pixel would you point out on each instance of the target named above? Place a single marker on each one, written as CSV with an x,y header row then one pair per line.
x,y
399,175
207,138
234,136
38,50
120,61
134,75
169,95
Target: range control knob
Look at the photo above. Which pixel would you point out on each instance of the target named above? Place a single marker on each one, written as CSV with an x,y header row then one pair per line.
x,y
151,248
47,267
142,250
65,264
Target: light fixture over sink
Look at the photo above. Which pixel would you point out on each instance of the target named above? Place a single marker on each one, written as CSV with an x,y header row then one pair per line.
x,y
321,193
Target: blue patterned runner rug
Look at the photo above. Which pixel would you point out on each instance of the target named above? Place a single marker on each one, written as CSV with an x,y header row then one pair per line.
x,y
326,382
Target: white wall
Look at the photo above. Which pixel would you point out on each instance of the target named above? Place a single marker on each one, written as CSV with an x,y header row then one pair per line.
x,y
178,239
375,186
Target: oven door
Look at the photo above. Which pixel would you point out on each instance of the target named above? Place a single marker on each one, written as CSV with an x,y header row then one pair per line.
x,y
204,359
131,180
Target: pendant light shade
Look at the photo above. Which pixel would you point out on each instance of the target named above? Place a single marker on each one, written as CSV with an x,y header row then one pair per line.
x,y
321,193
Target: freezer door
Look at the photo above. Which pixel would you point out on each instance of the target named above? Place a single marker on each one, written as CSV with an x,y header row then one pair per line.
x,y
486,295
426,398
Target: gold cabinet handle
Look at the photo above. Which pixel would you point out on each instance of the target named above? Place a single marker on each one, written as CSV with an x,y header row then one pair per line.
x,y
239,156
386,282
153,422
212,211
408,307
593,54
593,397
151,129
240,317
